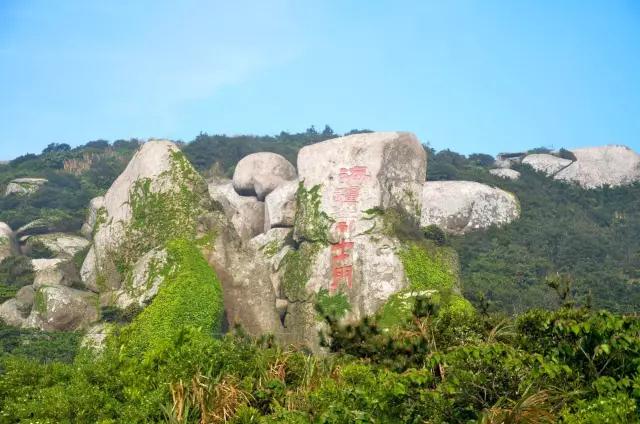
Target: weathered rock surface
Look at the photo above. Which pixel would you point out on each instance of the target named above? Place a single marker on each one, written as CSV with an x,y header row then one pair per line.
x,y
245,273
462,206
546,163
24,186
54,272
164,191
258,174
62,245
93,215
143,285
377,273
365,171
340,249
509,174
280,206
61,308
246,213
8,245
611,165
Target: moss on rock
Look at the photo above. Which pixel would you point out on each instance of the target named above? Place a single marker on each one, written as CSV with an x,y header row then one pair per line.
x,y
297,271
191,295
311,223
158,216
432,272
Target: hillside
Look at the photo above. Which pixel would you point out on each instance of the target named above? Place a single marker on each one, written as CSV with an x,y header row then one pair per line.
x,y
306,278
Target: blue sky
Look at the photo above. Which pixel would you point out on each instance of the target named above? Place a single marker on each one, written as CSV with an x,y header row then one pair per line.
x,y
473,76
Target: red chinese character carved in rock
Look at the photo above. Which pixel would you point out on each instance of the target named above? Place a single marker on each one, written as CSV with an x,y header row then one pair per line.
x,y
355,174
341,251
347,194
342,273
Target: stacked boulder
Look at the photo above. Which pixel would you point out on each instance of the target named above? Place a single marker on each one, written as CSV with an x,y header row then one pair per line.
x,y
281,240
52,301
459,207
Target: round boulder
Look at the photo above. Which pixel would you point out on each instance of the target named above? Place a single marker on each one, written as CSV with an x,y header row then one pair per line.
x,y
462,206
61,308
258,174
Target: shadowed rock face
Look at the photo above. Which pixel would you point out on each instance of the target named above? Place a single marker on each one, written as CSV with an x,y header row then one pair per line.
x,y
258,174
280,206
246,213
89,225
462,206
605,165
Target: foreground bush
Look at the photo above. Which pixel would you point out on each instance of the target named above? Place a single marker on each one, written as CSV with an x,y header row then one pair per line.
x,y
571,366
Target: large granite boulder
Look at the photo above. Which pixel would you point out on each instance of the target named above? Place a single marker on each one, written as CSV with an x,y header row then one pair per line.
x,y
342,252
60,244
24,186
362,172
8,245
280,206
158,197
246,213
60,308
95,213
258,174
611,165
546,163
506,173
462,206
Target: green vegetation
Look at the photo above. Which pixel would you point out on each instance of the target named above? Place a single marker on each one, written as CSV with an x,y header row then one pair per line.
x,y
568,366
74,177
589,234
335,306
189,296
38,250
157,217
311,223
297,265
38,346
